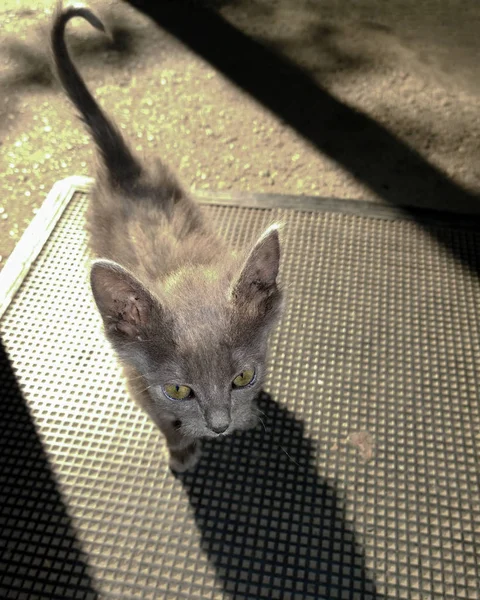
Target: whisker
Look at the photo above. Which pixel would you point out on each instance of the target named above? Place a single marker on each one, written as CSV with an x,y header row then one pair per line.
x,y
139,341
294,461
134,378
146,388
144,376
263,424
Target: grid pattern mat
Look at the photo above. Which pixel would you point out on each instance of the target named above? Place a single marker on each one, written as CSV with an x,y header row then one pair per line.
x,y
363,482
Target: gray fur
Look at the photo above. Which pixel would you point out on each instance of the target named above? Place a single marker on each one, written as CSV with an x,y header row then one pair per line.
x,y
178,306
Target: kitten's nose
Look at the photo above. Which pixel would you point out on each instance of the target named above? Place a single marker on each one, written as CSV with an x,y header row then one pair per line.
x,y
219,422
220,428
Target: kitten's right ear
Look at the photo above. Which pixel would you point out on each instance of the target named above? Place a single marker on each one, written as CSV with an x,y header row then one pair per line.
x,y
258,277
126,306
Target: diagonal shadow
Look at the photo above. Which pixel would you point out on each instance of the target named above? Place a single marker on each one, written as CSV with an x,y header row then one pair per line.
x,y
40,556
375,156
271,526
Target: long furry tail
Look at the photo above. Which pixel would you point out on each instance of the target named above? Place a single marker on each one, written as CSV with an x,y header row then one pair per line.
x,y
122,167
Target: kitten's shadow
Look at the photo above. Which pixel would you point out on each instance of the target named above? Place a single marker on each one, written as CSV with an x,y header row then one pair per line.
x,y
271,526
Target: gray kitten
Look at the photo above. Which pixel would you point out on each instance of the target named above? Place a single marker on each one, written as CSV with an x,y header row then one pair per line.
x,y
188,318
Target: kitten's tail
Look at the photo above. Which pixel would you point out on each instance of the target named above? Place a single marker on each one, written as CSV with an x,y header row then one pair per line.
x,y
122,167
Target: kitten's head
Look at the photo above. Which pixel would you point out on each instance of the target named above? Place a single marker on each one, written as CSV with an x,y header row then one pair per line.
x,y
200,341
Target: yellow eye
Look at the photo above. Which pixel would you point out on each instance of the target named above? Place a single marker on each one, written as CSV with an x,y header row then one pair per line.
x,y
244,378
177,392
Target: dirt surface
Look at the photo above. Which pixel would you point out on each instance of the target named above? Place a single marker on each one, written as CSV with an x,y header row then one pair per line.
x,y
375,100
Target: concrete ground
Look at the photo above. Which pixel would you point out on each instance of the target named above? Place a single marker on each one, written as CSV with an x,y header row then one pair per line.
x,y
375,100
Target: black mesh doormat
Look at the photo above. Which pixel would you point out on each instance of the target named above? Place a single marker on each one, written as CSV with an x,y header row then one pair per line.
x,y
363,482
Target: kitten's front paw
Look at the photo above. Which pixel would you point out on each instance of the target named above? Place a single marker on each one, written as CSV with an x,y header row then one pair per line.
x,y
185,459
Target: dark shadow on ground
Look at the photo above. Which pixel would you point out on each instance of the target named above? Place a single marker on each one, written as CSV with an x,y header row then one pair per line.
x,y
40,555
372,154
271,526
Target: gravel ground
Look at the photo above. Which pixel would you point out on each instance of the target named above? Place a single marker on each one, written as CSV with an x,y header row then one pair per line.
x,y
375,100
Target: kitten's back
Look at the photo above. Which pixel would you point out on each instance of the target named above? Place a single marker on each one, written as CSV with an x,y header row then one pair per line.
x,y
140,215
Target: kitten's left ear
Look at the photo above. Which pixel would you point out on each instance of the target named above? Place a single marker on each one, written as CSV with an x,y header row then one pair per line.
x,y
259,273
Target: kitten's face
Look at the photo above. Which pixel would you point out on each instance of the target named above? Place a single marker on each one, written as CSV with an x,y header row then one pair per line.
x,y
199,341
206,391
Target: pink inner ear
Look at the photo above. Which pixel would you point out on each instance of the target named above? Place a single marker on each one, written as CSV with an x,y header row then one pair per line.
x,y
121,299
126,328
266,267
130,310
261,267
134,315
